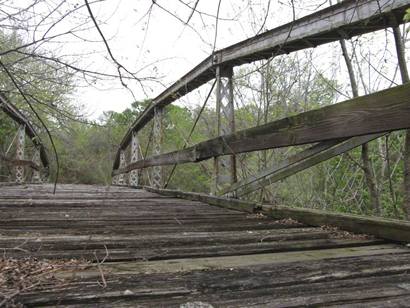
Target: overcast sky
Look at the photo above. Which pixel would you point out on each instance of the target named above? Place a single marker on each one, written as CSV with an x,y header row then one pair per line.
x,y
154,40
162,40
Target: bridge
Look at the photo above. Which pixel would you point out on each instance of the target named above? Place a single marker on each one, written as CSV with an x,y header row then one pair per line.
x,y
138,243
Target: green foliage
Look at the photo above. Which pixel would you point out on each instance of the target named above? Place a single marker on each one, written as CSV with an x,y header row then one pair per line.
x,y
407,15
289,87
44,85
86,152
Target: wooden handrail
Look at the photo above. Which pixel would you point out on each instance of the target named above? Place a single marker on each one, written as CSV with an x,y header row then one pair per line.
x,y
383,111
346,19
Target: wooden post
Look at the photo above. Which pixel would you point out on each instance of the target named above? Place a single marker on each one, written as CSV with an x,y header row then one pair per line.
x,y
406,155
157,146
224,167
121,177
134,158
19,169
36,176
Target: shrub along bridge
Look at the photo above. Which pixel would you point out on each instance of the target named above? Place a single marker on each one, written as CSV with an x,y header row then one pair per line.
x,y
152,246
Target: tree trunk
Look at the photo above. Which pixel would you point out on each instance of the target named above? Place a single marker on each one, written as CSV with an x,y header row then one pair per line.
x,y
406,155
367,164
370,179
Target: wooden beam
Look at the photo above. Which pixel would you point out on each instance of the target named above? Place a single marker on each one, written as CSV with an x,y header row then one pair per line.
x,y
296,163
352,17
233,204
211,264
379,112
317,148
391,229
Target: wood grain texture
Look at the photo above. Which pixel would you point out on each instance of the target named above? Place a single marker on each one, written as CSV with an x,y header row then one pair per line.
x,y
163,251
383,111
346,19
392,229
297,163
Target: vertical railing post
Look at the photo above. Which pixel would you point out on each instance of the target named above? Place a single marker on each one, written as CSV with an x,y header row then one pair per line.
x,y
121,177
157,146
36,176
20,143
224,167
134,158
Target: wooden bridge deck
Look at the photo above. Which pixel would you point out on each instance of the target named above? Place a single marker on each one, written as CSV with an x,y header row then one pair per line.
x,y
158,251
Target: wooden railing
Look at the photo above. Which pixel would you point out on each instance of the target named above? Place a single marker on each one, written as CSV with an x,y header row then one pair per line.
x,y
25,170
335,129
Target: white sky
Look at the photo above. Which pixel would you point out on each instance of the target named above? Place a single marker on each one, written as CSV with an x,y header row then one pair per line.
x,y
154,42
138,39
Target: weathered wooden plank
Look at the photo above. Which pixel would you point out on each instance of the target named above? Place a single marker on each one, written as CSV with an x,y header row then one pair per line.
x,y
191,251
138,216
41,231
350,17
138,224
274,284
383,111
282,273
168,252
377,302
343,20
159,247
317,148
101,298
395,230
186,265
320,294
173,239
391,229
291,166
233,204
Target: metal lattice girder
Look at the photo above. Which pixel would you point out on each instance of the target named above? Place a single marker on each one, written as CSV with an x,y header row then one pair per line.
x,y
134,158
382,111
157,146
347,19
225,166
20,141
36,176
122,177
13,112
